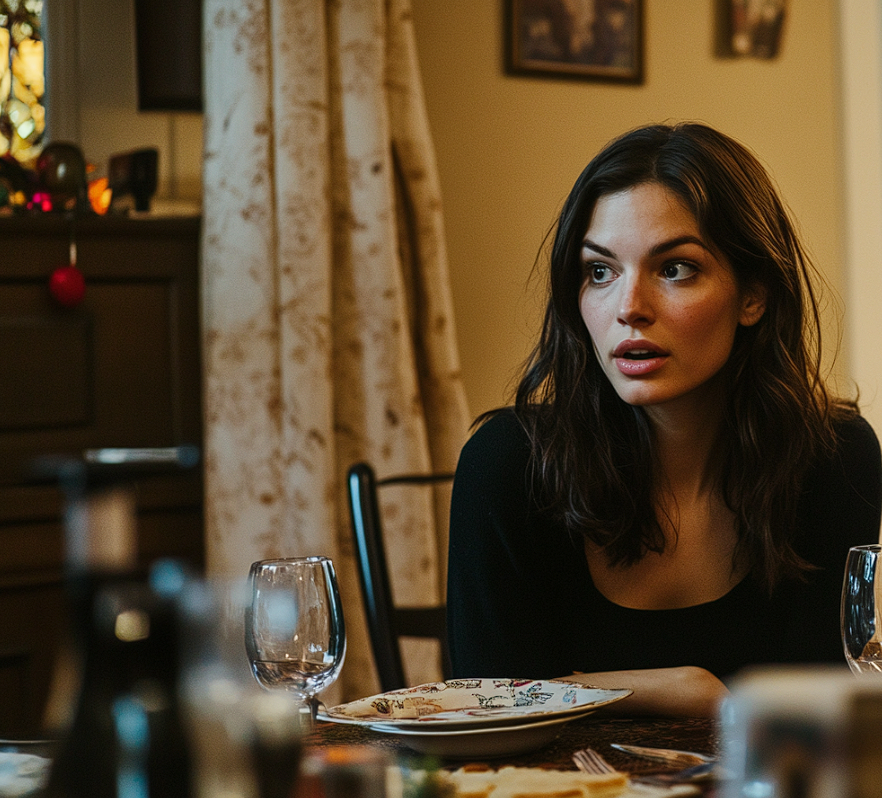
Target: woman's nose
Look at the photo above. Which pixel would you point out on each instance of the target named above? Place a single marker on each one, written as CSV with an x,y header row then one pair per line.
x,y
635,302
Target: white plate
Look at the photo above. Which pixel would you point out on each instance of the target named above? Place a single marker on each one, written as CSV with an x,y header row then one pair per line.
x,y
478,743
473,703
444,728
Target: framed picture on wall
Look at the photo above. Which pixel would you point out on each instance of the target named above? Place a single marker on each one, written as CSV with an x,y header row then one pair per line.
x,y
756,27
589,39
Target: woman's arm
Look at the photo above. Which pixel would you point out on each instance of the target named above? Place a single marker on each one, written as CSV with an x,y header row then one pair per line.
x,y
668,692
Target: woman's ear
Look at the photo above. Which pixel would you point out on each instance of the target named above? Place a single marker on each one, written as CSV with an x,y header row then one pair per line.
x,y
753,305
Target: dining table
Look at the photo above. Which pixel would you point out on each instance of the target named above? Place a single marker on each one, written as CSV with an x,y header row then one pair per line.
x,y
597,731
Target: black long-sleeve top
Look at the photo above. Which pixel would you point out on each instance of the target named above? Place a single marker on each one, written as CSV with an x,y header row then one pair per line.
x,y
522,604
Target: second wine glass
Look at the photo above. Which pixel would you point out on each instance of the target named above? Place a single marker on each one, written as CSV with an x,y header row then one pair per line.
x,y
861,613
294,631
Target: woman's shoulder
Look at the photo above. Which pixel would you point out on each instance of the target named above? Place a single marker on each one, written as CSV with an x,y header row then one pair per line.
x,y
502,420
855,438
852,464
497,488
841,502
499,443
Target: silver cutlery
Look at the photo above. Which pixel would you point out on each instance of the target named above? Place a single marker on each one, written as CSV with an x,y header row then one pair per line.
x,y
589,761
695,773
667,756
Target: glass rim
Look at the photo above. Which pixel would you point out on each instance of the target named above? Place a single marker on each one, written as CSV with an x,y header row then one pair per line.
x,y
876,548
316,558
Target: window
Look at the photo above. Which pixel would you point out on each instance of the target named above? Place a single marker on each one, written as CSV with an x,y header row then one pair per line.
x,y
22,83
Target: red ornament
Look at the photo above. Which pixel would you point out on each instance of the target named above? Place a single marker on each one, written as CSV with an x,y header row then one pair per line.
x,y
67,285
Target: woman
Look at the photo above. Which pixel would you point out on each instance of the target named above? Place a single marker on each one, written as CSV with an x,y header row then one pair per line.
x,y
673,494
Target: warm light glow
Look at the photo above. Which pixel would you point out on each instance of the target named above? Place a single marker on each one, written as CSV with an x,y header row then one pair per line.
x,y
132,625
27,65
5,72
99,195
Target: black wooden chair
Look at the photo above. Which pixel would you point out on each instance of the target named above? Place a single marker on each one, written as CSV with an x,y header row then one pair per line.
x,y
386,621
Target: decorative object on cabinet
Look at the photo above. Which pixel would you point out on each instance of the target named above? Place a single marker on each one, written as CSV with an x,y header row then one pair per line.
x,y
67,284
61,177
57,183
589,39
132,176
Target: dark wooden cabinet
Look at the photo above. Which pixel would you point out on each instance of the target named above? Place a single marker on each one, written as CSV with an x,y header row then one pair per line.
x,y
120,369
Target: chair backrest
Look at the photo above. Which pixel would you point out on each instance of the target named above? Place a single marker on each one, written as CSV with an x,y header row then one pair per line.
x,y
386,621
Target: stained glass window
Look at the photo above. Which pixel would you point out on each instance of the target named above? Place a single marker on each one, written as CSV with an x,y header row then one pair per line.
x,y
22,84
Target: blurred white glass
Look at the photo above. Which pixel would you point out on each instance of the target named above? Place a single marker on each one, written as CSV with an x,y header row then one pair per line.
x,y
295,636
861,613
234,724
24,767
788,732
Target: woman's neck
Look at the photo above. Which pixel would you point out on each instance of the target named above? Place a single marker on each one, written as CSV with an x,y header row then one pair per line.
x,y
687,440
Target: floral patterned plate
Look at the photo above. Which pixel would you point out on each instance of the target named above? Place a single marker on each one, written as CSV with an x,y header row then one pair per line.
x,y
484,742
473,703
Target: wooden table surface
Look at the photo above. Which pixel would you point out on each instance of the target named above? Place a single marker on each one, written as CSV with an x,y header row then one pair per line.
x,y
595,731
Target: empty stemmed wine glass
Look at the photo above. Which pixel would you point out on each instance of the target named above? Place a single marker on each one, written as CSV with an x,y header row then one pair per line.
x,y
861,613
294,632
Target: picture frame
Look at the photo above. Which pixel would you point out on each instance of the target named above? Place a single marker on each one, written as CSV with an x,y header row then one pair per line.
x,y
599,40
755,27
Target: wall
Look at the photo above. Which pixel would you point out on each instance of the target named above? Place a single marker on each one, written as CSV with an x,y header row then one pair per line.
x,y
509,148
109,121
861,49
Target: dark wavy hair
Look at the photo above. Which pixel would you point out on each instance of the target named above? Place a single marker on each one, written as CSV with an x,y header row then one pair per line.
x,y
593,452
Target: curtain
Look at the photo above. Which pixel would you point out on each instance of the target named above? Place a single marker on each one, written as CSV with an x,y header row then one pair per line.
x,y
328,331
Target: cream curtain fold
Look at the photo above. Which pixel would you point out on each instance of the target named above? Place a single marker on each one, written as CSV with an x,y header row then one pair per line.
x,y
328,329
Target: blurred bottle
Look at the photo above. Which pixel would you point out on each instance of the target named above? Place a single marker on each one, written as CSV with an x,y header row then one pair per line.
x,y
357,771
864,739
125,735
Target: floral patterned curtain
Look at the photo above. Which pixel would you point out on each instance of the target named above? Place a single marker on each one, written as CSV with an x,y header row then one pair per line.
x,y
328,332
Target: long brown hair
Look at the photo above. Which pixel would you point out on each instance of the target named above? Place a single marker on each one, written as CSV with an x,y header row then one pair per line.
x,y
594,452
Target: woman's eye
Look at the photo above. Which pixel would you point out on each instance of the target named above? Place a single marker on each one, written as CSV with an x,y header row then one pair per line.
x,y
678,271
598,273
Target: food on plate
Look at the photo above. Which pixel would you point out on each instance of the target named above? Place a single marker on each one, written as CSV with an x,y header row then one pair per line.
x,y
518,782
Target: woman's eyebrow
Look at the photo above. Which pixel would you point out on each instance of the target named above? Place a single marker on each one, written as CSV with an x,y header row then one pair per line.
x,y
658,249
666,246
607,253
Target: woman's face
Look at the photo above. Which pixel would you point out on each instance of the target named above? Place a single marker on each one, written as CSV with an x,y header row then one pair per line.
x,y
660,302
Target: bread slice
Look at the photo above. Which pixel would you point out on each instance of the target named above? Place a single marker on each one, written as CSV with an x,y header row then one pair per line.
x,y
515,782
470,783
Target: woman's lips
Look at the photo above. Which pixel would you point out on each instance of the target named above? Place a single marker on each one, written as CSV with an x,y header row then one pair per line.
x,y
637,358
632,367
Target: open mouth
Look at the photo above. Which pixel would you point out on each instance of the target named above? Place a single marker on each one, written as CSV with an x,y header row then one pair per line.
x,y
637,361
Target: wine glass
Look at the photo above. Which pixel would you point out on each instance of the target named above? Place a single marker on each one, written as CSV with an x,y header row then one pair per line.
x,y
294,632
861,612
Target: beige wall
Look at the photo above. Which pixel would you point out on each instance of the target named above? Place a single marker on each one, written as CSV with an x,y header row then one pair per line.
x,y
109,121
861,122
509,148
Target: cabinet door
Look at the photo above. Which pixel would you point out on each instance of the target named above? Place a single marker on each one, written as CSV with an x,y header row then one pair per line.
x,y
122,368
